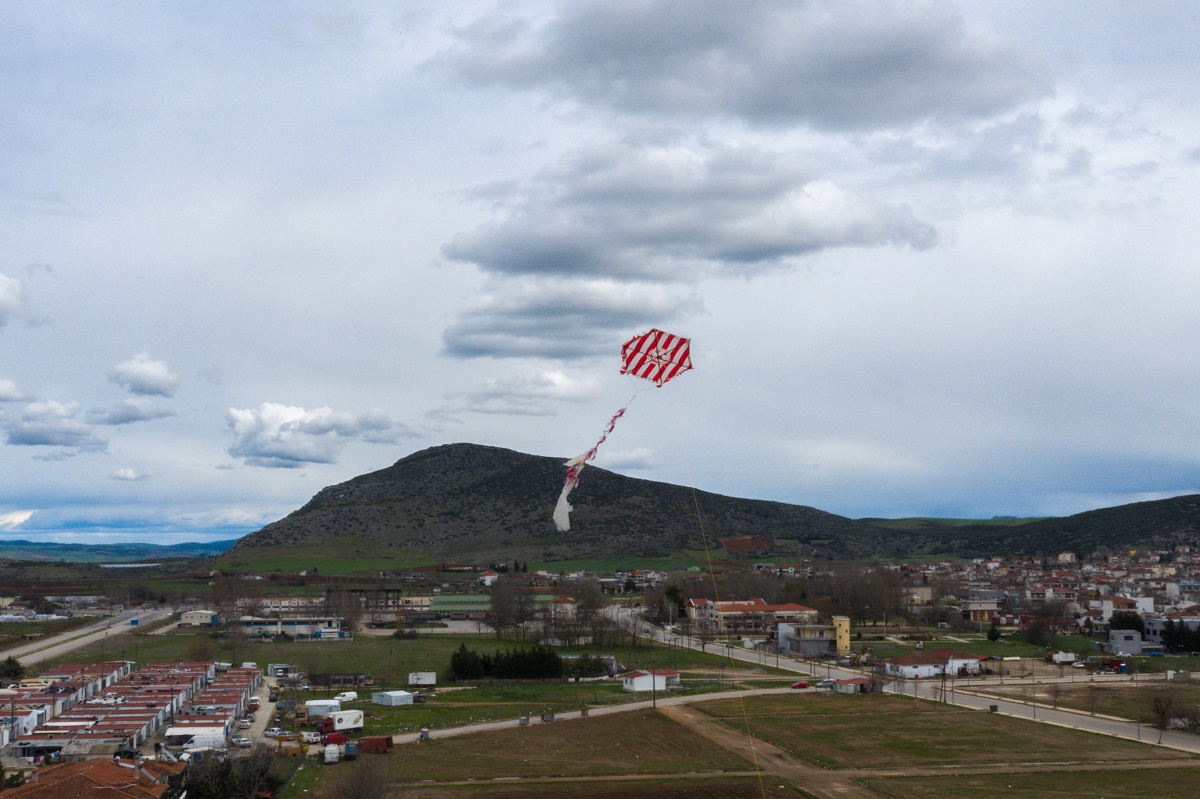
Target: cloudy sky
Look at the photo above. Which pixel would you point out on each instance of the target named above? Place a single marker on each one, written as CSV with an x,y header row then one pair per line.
x,y
936,258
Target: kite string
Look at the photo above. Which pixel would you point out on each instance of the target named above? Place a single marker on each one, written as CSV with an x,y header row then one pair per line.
x,y
716,599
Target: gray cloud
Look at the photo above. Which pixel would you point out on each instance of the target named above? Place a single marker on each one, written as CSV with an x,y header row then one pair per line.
x,y
562,318
130,411
673,213
617,235
53,424
833,65
144,375
288,437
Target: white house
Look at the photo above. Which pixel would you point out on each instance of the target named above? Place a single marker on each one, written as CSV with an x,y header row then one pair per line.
x,y
653,680
948,662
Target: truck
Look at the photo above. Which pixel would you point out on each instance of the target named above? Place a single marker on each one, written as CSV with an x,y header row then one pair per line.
x,y
1061,658
341,721
380,744
332,754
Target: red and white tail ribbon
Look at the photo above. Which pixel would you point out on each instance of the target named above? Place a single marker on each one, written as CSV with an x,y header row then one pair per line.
x,y
562,511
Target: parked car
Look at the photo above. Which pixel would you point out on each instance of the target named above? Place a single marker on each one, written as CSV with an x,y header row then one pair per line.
x,y
800,684
272,732
335,738
244,724
827,683
240,741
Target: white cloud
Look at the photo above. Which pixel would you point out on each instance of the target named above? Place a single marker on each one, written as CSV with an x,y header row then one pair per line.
x,y
630,460
131,475
10,393
11,301
144,375
528,395
14,519
284,436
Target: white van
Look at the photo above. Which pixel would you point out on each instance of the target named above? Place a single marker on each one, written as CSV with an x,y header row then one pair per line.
x,y
347,696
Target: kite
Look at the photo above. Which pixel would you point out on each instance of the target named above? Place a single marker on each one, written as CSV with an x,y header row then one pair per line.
x,y
655,356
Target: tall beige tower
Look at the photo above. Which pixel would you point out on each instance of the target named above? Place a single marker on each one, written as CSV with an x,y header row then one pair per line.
x,y
841,634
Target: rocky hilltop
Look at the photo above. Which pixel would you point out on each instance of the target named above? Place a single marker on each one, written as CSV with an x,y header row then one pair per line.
x,y
475,502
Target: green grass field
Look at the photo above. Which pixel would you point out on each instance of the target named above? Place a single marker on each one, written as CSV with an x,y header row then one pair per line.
x,y
15,632
890,731
1155,783
640,742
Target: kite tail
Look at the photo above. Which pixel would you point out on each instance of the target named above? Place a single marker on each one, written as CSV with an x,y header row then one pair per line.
x,y
562,511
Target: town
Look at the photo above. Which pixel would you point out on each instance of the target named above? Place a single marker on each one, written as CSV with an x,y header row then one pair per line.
x,y
259,672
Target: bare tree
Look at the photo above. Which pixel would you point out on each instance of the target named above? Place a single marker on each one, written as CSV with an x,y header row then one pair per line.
x,y
1165,705
503,603
199,648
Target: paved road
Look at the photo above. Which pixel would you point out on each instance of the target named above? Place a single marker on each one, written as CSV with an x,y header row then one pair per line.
x,y
59,645
961,696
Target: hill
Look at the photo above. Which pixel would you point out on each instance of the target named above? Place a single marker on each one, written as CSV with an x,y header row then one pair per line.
x,y
476,503
464,501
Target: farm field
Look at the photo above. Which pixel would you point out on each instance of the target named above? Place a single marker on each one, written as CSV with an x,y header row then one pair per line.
x,y
1150,783
855,732
793,744
1123,700
622,745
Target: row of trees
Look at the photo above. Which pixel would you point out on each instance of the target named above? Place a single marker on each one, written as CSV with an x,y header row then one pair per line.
x,y
1178,637
536,663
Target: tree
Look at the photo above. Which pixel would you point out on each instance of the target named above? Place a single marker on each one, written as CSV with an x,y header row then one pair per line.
x,y
503,604
11,669
993,633
1127,620
10,780
1164,706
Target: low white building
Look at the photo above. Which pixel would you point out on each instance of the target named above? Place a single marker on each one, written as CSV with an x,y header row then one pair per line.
x,y
391,698
653,680
198,618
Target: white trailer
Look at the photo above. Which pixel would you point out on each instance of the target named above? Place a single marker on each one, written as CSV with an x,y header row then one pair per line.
x,y
423,678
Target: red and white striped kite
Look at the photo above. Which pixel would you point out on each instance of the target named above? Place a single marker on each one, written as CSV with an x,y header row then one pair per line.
x,y
655,356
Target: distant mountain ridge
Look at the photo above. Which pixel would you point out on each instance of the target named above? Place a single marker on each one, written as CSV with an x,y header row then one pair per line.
x,y
480,503
109,553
